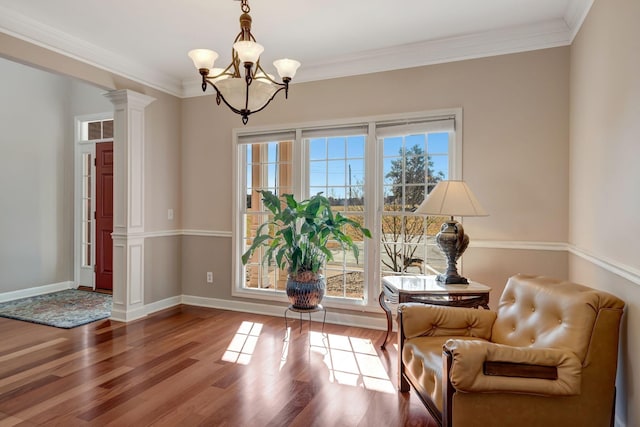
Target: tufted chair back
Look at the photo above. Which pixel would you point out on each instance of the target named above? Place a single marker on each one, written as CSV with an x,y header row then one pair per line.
x,y
545,312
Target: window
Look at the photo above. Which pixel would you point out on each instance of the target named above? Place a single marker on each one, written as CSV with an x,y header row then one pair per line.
x,y
374,171
87,210
336,168
267,167
414,159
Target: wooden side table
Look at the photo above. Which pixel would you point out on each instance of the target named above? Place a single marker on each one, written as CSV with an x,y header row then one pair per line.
x,y
426,290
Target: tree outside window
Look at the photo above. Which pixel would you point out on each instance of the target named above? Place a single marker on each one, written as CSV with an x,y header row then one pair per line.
x,y
410,173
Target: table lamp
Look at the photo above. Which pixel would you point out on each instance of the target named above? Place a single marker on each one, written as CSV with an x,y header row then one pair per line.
x,y
451,198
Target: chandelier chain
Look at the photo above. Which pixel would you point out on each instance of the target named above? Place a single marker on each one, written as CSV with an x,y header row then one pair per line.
x,y
245,6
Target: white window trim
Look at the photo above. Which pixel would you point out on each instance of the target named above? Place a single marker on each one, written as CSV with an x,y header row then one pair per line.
x,y
373,166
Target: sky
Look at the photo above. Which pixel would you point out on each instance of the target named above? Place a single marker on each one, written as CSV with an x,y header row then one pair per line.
x,y
337,164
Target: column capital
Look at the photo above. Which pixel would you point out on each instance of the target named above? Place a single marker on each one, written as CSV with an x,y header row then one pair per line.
x,y
128,97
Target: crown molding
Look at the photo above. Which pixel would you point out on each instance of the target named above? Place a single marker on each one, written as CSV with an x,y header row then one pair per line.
x,y
478,45
542,35
576,13
524,38
39,34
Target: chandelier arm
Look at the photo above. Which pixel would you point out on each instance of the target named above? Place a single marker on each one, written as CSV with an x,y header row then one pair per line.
x,y
266,76
204,73
226,70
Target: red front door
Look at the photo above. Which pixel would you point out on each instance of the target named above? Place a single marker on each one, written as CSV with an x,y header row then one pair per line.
x,y
104,215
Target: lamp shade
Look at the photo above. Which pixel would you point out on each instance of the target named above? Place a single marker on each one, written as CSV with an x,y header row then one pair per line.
x,y
451,198
286,67
203,58
248,51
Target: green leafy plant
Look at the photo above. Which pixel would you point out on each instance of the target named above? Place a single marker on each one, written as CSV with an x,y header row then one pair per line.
x,y
296,236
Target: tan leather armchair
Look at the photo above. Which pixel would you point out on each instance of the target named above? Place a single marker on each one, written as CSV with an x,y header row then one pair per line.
x,y
546,357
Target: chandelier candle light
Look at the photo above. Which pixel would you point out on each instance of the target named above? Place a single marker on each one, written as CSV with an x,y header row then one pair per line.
x,y
253,92
451,198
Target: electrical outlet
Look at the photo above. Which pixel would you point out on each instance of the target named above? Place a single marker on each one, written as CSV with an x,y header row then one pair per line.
x,y
209,277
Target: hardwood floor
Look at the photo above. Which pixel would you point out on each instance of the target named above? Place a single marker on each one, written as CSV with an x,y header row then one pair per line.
x,y
192,366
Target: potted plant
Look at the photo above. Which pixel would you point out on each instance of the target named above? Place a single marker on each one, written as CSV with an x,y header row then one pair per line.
x,y
296,239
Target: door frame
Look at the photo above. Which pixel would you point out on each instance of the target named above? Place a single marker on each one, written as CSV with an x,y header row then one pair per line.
x,y
84,275
103,223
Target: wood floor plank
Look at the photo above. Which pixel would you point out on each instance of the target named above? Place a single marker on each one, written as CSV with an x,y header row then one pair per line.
x,y
63,402
28,348
195,366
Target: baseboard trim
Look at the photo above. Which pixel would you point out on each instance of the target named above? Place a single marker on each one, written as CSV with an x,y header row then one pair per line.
x,y
163,304
36,290
361,321
127,316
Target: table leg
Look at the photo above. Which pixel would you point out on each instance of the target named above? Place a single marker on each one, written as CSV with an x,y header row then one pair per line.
x,y
387,311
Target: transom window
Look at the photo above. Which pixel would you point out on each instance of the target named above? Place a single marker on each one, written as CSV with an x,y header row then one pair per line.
x,y
376,172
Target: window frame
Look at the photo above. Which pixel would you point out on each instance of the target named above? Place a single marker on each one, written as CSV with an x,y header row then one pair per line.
x,y
373,188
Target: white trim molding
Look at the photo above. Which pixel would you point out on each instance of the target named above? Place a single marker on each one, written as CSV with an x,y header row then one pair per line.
x,y
173,233
522,245
361,321
625,271
36,290
541,35
207,233
128,203
576,13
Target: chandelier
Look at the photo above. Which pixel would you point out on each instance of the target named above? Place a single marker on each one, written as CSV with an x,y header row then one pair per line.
x,y
252,92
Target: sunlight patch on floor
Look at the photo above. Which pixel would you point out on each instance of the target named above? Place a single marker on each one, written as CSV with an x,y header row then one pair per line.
x,y
243,343
352,361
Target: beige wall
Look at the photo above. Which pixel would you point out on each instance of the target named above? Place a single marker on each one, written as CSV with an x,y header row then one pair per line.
x,y
36,245
162,163
494,266
162,268
514,157
604,196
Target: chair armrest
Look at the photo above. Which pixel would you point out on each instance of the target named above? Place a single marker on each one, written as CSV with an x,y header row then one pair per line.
x,y
433,321
480,366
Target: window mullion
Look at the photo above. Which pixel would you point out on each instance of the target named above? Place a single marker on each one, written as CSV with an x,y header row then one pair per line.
x,y
300,167
374,203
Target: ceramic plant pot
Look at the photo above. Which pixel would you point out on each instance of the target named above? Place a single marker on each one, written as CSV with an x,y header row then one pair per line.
x,y
306,294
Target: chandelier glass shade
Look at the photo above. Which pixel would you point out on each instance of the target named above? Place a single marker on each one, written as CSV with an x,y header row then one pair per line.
x,y
243,85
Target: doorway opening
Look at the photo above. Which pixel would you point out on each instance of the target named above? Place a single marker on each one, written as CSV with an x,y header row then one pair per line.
x,y
93,259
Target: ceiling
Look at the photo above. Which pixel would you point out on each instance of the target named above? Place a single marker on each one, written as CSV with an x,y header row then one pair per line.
x,y
148,41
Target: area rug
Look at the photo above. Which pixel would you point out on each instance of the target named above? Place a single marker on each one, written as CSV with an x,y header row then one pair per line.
x,y
65,309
